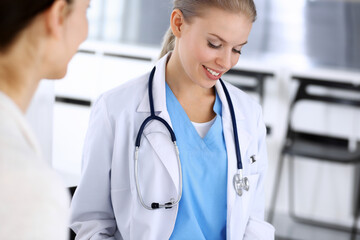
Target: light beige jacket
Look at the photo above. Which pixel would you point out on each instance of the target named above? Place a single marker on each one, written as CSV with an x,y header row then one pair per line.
x,y
33,201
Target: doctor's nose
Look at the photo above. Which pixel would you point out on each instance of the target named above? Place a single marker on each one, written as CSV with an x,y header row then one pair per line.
x,y
224,60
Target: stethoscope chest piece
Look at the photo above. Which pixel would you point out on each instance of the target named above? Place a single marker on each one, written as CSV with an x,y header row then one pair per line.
x,y
240,183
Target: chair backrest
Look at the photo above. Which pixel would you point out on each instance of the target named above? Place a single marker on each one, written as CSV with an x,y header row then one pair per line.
x,y
303,93
305,83
72,191
256,87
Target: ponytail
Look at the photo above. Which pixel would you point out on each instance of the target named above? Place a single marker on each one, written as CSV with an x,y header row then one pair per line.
x,y
168,43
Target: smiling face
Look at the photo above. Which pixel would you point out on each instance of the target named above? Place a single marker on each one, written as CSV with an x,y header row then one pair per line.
x,y
209,45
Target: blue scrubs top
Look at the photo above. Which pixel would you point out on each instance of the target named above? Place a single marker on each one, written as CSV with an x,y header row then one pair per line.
x,y
203,207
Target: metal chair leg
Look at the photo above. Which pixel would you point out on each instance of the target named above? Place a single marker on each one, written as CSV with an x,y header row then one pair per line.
x,y
357,207
354,228
291,187
276,188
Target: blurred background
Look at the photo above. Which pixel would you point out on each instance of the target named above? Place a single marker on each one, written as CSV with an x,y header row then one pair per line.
x,y
302,63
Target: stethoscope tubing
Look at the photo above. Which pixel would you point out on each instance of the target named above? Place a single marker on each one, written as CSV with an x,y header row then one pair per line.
x,y
239,182
152,117
156,205
233,120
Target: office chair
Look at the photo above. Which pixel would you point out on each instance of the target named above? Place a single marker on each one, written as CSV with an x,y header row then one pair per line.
x,y
258,76
72,191
314,146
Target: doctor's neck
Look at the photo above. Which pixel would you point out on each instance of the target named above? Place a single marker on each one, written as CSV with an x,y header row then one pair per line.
x,y
181,85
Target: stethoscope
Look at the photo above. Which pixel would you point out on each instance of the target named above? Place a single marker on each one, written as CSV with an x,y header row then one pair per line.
x,y
240,183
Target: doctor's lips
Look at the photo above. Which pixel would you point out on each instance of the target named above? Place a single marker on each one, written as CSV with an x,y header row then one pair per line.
x,y
213,74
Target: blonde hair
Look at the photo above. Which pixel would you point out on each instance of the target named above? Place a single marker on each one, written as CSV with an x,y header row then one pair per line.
x,y
193,8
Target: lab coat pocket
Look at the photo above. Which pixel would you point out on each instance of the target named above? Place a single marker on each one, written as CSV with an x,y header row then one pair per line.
x,y
259,230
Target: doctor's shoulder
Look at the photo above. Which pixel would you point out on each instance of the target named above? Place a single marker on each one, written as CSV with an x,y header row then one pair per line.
x,y
247,104
127,95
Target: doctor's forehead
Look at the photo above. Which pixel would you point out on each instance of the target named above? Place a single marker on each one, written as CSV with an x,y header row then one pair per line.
x,y
231,27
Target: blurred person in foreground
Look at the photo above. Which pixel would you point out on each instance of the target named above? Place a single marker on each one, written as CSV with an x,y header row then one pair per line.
x,y
37,40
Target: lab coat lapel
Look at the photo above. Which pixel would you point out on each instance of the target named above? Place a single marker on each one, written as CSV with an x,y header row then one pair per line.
x,y
156,132
244,140
160,140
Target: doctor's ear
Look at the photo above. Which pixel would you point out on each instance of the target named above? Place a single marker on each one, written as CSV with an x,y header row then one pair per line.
x,y
176,22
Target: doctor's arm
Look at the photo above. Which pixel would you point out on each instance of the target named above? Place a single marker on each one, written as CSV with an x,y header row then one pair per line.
x,y
92,215
257,228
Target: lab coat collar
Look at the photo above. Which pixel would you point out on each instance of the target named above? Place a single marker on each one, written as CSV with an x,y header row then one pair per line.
x,y
226,111
159,93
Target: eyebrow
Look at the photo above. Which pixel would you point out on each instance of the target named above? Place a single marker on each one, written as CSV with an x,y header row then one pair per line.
x,y
242,44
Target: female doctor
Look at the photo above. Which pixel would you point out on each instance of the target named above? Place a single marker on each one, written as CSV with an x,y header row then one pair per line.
x,y
134,185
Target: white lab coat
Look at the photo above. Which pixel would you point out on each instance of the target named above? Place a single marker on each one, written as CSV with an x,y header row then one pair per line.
x,y
34,203
106,205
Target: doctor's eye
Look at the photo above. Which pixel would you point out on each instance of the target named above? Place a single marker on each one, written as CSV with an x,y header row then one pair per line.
x,y
237,51
213,45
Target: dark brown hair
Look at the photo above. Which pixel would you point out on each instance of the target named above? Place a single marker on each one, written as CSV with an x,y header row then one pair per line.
x,y
16,15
